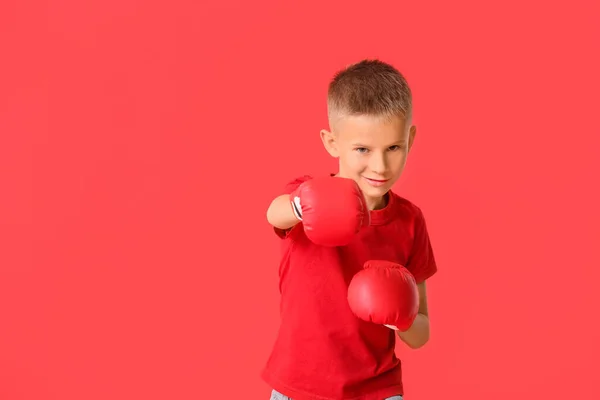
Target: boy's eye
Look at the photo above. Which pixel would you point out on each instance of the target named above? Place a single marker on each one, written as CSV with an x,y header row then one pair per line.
x,y
394,147
361,149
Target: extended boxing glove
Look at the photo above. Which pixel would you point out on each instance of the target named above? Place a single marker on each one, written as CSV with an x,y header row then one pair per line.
x,y
384,293
332,210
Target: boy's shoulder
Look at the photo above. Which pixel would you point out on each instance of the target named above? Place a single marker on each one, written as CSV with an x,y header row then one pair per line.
x,y
404,207
293,184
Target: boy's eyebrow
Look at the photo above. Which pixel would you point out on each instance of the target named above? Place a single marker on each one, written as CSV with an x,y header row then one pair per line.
x,y
399,142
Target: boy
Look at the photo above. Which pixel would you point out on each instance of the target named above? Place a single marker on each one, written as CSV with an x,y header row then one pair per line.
x,y
323,350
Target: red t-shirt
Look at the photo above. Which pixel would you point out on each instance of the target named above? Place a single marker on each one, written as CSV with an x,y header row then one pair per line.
x,y
323,351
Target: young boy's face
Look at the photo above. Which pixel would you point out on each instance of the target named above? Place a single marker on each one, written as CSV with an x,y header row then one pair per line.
x,y
371,150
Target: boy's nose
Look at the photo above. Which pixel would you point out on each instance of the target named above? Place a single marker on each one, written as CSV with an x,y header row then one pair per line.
x,y
378,164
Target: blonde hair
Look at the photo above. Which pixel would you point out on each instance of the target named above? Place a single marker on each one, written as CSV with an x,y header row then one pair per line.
x,y
369,87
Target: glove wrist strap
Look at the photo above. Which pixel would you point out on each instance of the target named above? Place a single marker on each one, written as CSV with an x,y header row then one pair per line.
x,y
296,207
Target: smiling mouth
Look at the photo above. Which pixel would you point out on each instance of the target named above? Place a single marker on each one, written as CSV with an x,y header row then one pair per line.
x,y
377,180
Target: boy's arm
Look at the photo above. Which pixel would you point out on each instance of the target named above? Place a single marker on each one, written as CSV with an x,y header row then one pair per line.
x,y
280,213
418,334
422,264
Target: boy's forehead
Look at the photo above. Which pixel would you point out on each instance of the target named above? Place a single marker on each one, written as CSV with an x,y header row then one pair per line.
x,y
370,128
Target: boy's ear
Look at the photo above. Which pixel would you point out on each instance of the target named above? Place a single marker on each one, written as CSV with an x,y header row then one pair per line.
x,y
328,139
411,136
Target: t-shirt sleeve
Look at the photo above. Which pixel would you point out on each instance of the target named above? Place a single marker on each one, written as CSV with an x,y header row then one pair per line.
x,y
421,262
289,188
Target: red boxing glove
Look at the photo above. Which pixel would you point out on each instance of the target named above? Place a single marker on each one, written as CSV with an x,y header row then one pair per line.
x,y
331,209
384,293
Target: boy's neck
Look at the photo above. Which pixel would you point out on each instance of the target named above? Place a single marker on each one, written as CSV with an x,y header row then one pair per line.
x,y
377,203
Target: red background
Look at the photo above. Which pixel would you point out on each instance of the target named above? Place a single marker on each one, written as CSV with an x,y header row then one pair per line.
x,y
141,142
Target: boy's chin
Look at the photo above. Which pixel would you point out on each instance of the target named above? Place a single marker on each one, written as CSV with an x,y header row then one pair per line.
x,y
374,193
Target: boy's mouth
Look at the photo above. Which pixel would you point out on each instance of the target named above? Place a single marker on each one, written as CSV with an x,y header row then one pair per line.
x,y
375,182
